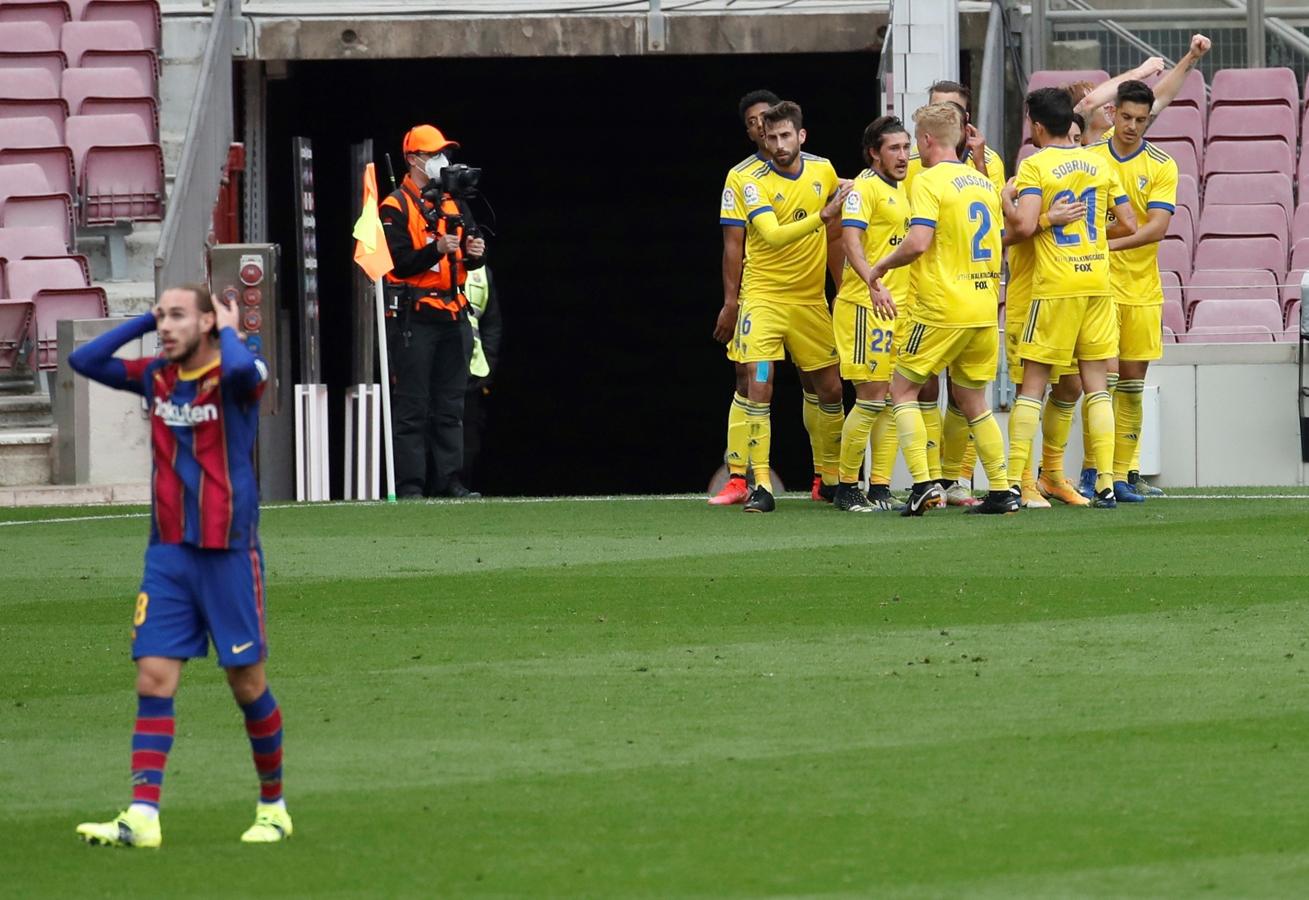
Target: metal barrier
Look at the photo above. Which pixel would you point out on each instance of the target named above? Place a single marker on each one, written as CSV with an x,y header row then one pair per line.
x,y
188,222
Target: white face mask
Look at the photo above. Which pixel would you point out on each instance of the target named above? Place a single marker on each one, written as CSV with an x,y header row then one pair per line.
x,y
432,168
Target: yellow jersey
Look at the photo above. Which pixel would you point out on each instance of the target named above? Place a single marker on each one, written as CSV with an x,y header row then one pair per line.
x,y
994,168
1149,176
1072,260
794,273
880,208
958,277
1022,266
731,210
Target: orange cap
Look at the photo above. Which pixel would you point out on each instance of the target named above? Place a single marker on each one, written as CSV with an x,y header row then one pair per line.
x,y
426,139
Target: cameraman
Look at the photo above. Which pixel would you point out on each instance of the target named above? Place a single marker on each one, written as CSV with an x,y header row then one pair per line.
x,y
428,332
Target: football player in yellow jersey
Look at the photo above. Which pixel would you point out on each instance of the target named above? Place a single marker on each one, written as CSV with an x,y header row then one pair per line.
x,y
874,222
954,235
1149,176
951,454
731,216
1071,316
784,307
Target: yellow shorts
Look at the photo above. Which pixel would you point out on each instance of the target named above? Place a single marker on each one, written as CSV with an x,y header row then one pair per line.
x,y
1065,329
863,342
767,332
1140,332
1013,330
971,353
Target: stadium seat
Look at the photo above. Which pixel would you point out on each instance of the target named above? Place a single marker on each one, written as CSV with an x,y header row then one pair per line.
x,y
109,44
32,92
1174,317
1181,228
1254,86
1300,223
1248,156
1259,187
52,13
33,139
1193,92
1227,334
15,332
25,277
1293,315
1181,123
36,240
1255,220
1174,256
1183,153
1228,284
1260,311
25,199
1300,254
1170,336
110,91
1188,194
144,14
1291,288
54,304
30,45
120,168
1244,123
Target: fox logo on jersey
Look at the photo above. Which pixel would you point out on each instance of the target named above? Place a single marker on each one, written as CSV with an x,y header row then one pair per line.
x,y
186,415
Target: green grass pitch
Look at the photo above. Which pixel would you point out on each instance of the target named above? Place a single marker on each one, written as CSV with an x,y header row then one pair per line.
x,y
654,698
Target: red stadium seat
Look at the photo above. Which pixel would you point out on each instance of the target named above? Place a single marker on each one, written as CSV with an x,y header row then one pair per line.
x,y
1170,336
1228,284
144,14
30,45
1183,153
34,139
1192,94
1300,254
1255,86
55,304
1174,316
1256,220
120,168
15,333
1245,123
1261,311
1227,334
51,13
27,276
32,92
1259,187
1291,289
25,199
1188,194
110,91
40,240
109,44
1293,315
1174,256
1181,228
1248,156
1181,123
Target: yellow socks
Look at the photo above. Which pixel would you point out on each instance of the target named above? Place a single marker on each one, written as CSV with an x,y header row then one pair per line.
x,y
968,464
760,438
986,434
912,432
1127,425
854,437
884,445
1097,410
931,413
1056,424
738,435
1088,462
954,442
1022,429
809,414
831,418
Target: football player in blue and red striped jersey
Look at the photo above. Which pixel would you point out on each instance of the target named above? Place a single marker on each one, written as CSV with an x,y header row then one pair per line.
x,y
204,568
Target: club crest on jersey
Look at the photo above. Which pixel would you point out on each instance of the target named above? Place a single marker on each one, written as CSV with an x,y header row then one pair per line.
x,y
186,415
818,188
208,384
1141,182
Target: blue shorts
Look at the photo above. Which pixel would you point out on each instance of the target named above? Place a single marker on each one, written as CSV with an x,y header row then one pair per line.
x,y
189,595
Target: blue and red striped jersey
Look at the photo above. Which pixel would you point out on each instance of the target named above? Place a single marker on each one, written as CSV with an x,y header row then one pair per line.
x,y
203,426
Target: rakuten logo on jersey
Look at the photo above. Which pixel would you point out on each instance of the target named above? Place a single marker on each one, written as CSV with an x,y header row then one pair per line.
x,y
186,415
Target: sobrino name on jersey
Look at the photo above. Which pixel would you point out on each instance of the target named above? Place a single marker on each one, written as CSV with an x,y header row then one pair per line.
x,y
186,415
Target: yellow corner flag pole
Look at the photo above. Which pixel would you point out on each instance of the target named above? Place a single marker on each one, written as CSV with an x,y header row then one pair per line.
x,y
374,257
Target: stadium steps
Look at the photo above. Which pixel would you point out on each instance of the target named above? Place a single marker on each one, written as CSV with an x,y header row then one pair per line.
x,y
26,455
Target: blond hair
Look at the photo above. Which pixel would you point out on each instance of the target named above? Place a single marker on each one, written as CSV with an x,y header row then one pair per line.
x,y
942,121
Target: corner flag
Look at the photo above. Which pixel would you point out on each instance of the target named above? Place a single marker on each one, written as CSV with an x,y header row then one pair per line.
x,y
371,252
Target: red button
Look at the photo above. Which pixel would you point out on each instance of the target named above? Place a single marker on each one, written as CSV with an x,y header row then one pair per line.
x,y
252,273
252,320
253,296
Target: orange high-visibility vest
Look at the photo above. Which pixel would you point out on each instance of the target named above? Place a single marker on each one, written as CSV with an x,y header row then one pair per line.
x,y
434,284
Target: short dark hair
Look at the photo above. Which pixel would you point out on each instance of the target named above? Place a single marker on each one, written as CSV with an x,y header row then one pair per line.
x,y
953,87
1135,92
754,98
877,131
1052,109
1080,121
785,111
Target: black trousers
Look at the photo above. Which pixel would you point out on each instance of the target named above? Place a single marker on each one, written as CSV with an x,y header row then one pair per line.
x,y
429,379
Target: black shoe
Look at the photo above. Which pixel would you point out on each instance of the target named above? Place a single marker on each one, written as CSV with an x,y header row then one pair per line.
x,y
457,491
850,499
1105,499
922,497
996,503
881,499
828,491
761,501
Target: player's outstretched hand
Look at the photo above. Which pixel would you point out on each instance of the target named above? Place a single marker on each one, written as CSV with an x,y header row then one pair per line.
x,y
1152,66
1062,212
1200,45
832,211
725,326
227,315
883,303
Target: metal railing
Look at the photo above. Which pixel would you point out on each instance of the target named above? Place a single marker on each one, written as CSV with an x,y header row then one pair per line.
x,y
188,222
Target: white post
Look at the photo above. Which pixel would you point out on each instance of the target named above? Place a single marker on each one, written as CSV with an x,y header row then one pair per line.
x,y
385,364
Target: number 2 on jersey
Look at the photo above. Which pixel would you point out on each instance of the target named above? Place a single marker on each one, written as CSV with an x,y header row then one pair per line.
x,y
975,212
1092,233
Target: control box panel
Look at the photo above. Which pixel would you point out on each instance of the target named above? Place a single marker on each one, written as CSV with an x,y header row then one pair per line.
x,y
246,275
